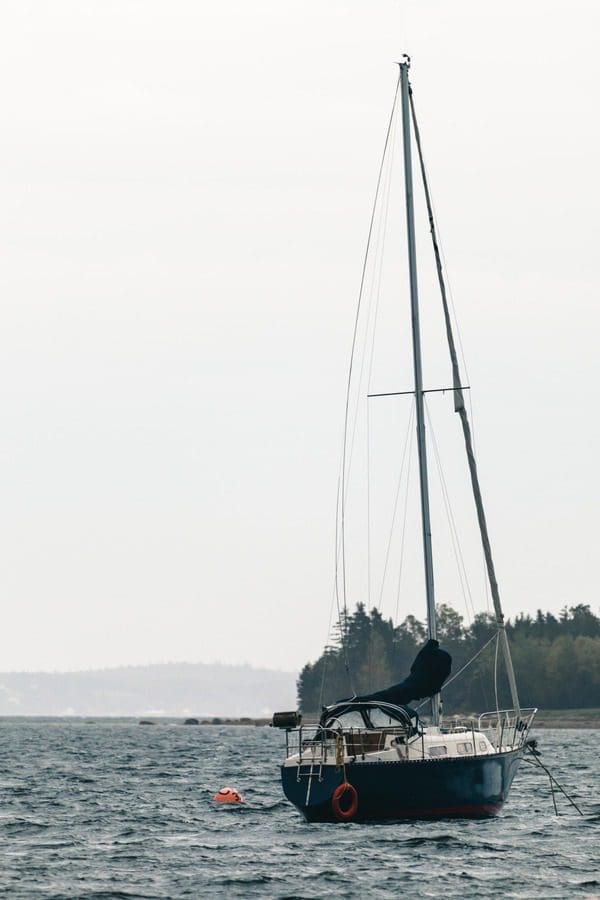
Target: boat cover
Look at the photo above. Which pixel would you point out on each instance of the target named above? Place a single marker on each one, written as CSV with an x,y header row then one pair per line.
x,y
427,674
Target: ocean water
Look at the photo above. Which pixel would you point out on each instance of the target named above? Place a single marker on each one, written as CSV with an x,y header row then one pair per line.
x,y
105,809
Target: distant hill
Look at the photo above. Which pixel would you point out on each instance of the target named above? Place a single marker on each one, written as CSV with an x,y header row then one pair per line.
x,y
171,689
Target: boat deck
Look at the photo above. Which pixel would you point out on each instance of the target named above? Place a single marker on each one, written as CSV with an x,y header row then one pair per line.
x,y
484,735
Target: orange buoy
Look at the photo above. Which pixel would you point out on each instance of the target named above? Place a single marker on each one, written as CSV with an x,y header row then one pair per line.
x,y
228,795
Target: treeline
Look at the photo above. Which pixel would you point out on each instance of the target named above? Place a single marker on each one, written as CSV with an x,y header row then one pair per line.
x,y
556,659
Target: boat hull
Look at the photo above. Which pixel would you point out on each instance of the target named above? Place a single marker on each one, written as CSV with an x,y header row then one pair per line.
x,y
466,787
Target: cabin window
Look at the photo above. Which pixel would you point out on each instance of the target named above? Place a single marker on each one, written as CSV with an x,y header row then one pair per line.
x,y
483,746
464,748
439,750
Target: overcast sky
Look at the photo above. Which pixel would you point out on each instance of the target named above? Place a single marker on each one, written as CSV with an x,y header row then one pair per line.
x,y
186,189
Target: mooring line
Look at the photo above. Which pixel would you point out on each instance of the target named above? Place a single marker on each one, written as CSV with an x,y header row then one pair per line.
x,y
531,746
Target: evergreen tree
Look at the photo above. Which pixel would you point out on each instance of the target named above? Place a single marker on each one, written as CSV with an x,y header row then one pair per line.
x,y
557,660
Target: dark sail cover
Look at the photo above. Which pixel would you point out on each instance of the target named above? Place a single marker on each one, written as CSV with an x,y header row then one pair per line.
x,y
427,674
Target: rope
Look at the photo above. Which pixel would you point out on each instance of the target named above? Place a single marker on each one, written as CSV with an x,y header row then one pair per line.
x,y
537,762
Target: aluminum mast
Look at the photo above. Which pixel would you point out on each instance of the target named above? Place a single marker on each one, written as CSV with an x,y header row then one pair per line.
x,y
416,339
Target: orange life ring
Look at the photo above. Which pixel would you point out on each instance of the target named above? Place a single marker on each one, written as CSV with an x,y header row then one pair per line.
x,y
344,815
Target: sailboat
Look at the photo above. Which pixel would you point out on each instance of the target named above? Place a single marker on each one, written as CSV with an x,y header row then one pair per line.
x,y
373,757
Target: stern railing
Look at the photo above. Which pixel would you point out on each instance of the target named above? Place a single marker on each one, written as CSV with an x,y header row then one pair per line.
x,y
506,729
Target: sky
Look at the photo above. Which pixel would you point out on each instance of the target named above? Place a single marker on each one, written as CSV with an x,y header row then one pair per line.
x,y
186,191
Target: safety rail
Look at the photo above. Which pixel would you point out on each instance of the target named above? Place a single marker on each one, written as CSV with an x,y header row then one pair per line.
x,y
503,728
506,728
316,745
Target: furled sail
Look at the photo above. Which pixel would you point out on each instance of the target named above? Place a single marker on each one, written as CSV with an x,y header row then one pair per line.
x,y
428,672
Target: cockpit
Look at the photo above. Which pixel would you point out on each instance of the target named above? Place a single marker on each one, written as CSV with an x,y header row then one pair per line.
x,y
350,715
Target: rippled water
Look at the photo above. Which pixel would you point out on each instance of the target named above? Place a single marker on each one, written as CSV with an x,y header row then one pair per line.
x,y
113,810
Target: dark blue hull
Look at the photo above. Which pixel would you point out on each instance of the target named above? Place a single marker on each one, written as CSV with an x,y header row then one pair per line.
x,y
467,787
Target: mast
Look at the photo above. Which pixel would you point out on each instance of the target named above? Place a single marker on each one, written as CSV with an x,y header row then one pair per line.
x,y
416,339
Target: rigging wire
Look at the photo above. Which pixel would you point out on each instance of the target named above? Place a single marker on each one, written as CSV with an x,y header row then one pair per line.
x,y
450,294
496,675
377,275
342,614
472,660
454,536
335,598
460,408
407,439
368,414
462,669
403,538
440,245
342,492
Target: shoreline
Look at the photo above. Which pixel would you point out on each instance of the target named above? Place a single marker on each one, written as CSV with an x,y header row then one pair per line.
x,y
581,719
